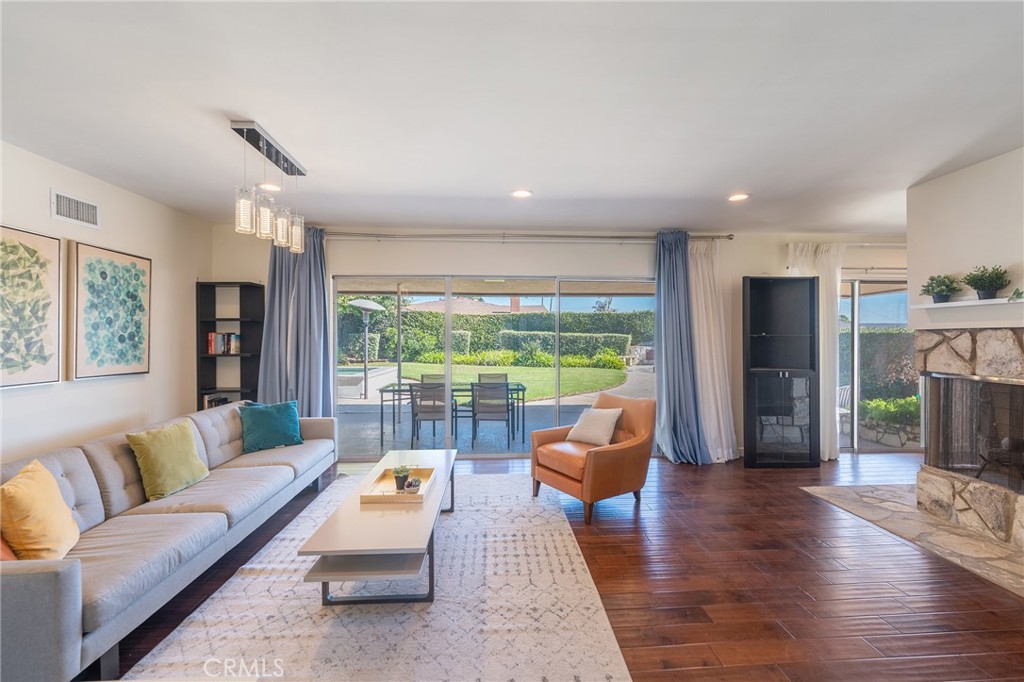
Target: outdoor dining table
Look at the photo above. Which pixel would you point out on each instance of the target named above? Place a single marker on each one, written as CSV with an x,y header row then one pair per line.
x,y
395,394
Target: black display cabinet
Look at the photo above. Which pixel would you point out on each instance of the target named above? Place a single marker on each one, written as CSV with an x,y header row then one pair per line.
x,y
229,366
781,424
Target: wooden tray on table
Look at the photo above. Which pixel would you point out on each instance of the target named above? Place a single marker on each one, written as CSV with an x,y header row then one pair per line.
x,y
383,491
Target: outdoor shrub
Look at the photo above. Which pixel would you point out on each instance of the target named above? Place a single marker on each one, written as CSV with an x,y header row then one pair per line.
x,y
415,342
460,341
533,356
607,359
575,361
495,358
464,359
571,343
431,357
887,362
352,346
903,411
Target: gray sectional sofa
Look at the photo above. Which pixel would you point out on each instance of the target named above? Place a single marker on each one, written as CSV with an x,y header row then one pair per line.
x,y
133,556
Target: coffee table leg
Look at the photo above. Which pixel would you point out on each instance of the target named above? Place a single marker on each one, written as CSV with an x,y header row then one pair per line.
x,y
328,600
451,485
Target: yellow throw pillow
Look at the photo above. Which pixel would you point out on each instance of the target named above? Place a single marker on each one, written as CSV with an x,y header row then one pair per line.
x,y
34,518
168,459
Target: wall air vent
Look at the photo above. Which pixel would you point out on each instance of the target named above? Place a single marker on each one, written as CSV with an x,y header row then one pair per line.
x,y
72,210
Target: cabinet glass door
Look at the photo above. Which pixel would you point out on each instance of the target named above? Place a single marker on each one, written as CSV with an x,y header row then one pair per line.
x,y
783,417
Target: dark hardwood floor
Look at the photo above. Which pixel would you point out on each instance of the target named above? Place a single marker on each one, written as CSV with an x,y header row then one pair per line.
x,y
725,573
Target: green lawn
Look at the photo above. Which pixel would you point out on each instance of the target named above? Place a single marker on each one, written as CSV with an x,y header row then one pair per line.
x,y
539,381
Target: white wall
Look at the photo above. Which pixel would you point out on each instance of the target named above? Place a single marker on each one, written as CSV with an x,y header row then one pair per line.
x,y
37,419
973,216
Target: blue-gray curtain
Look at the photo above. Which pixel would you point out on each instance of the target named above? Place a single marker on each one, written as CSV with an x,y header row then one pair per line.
x,y
296,358
679,433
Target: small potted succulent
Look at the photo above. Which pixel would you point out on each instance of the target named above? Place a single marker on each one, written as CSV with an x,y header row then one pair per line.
x,y
401,473
412,486
940,287
987,281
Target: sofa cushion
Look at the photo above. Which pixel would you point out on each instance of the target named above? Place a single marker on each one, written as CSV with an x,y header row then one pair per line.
x,y
117,470
167,459
34,519
269,426
75,479
236,493
128,556
6,553
221,431
300,458
566,457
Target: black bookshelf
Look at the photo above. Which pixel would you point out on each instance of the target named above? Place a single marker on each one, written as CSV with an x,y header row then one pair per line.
x,y
243,307
781,424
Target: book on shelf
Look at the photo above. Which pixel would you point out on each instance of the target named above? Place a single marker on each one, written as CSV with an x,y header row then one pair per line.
x,y
222,343
214,401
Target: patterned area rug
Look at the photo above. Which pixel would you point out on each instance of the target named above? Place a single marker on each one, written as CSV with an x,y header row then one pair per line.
x,y
513,601
894,508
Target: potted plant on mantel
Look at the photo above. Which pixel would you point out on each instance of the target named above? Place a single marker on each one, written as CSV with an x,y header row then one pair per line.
x,y
987,281
940,287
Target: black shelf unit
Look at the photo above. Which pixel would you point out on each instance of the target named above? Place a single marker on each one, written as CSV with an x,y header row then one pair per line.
x,y
248,304
781,421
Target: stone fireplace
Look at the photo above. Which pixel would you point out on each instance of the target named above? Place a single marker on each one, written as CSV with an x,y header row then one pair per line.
x,y
974,429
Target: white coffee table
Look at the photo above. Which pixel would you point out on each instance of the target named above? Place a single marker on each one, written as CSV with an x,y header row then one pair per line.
x,y
382,541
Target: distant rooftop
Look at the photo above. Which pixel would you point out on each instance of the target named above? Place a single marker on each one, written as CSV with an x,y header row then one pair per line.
x,y
472,306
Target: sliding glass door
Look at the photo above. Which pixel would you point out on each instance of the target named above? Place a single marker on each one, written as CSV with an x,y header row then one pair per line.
x,y
478,363
878,395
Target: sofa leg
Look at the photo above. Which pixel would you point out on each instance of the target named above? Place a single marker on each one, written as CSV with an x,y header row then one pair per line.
x,y
588,512
110,664
536,487
318,484
636,494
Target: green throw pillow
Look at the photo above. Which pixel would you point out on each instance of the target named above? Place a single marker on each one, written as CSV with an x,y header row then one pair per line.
x,y
269,426
168,459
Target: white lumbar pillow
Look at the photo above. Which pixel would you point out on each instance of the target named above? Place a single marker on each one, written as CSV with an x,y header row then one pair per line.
x,y
596,426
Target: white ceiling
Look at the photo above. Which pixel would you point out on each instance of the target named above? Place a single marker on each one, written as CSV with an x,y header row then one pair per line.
x,y
624,117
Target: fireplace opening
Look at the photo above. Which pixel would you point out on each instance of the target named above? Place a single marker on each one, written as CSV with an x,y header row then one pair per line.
x,y
976,428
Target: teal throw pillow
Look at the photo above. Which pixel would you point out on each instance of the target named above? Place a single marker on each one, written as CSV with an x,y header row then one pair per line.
x,y
269,426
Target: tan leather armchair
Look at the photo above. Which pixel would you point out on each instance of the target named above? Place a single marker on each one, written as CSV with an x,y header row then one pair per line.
x,y
591,473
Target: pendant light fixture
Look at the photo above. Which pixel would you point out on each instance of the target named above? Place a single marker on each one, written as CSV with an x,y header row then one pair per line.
x,y
256,211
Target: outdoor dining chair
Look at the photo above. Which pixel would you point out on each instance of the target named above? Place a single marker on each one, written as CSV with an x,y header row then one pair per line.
x,y
491,402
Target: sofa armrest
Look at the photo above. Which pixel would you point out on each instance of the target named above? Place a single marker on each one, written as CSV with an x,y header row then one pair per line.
x,y
317,427
41,616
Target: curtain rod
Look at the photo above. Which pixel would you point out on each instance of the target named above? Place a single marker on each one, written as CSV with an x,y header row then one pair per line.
x,y
506,238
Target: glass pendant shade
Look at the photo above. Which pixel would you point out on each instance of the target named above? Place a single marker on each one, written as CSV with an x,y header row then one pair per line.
x,y
282,221
297,242
265,216
244,208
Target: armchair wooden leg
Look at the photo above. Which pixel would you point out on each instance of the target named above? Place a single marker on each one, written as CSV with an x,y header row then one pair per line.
x,y
588,512
636,494
536,487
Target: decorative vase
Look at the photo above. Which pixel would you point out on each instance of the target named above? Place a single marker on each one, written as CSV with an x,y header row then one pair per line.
x,y
986,294
400,481
940,298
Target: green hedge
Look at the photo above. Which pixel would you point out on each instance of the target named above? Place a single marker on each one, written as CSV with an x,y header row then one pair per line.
x,y
571,343
903,411
886,361
352,346
460,341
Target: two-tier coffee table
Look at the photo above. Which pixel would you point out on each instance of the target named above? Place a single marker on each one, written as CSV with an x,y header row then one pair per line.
x,y
382,541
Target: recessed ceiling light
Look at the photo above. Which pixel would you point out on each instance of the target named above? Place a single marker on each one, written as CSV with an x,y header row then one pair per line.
x,y
739,196
522,193
269,187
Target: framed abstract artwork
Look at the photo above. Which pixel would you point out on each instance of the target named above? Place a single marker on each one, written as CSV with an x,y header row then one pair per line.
x,y
30,290
111,311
